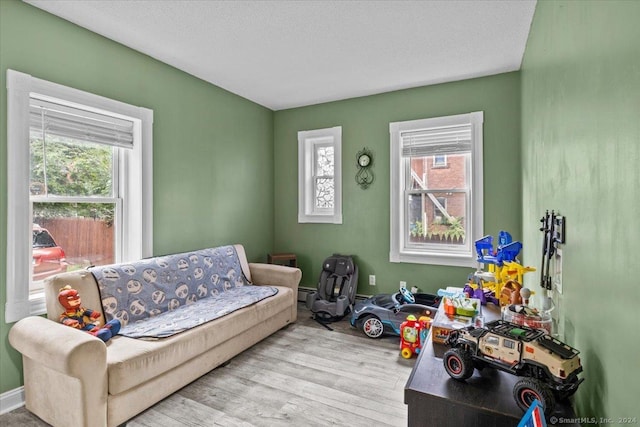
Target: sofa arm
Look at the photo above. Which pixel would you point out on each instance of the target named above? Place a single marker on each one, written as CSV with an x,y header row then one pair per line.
x,y
59,360
276,275
62,348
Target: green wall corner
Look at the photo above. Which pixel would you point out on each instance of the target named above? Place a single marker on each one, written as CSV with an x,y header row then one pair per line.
x,y
364,232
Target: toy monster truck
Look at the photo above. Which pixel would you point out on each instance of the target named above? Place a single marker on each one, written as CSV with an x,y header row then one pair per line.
x,y
549,368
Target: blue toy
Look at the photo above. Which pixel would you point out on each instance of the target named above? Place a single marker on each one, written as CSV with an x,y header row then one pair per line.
x,y
534,417
507,249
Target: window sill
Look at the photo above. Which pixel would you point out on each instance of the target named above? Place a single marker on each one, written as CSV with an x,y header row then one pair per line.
x,y
320,219
454,260
34,306
37,304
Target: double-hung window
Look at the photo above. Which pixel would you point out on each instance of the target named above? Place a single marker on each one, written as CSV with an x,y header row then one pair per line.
x,y
319,175
436,189
79,180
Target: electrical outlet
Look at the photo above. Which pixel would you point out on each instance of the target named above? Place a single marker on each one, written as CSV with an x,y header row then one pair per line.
x,y
403,284
372,279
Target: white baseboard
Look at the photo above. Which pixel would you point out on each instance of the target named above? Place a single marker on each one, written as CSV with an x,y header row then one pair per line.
x,y
12,399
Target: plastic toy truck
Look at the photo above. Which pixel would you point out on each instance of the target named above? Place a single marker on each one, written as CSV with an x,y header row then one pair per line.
x,y
549,368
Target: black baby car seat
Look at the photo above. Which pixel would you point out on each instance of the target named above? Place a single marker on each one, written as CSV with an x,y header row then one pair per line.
x,y
337,288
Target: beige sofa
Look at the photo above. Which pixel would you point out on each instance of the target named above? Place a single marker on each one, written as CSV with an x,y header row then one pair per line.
x,y
72,378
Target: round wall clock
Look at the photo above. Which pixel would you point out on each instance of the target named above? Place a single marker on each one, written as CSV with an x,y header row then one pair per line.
x,y
363,160
365,176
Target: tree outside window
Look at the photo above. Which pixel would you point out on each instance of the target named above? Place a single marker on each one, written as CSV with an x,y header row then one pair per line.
x,y
72,196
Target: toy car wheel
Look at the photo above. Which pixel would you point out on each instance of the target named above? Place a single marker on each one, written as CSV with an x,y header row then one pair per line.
x,y
372,327
458,363
406,353
528,389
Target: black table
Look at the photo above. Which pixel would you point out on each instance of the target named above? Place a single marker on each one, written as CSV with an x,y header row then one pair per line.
x,y
484,400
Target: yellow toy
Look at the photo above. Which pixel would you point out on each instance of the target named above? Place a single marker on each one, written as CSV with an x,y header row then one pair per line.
x,y
502,268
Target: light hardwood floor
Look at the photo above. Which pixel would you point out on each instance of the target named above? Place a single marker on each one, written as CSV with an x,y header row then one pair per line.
x,y
303,375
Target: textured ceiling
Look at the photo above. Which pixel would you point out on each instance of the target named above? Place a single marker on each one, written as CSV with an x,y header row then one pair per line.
x,y
284,54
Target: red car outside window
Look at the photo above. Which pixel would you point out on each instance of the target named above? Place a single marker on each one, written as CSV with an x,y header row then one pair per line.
x,y
48,257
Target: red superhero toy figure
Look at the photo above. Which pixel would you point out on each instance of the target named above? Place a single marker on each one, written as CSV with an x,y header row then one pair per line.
x,y
82,318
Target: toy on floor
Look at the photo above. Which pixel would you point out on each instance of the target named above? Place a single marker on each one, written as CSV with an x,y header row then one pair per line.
x,y
385,313
413,334
82,318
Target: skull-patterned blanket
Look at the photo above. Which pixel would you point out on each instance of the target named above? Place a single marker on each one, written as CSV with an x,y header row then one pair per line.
x,y
160,297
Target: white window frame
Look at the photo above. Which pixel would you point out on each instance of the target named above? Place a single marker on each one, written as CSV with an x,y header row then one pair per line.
x,y
436,211
451,255
442,164
308,141
137,166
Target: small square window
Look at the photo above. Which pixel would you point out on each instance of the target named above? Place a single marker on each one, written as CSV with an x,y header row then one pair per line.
x,y
439,161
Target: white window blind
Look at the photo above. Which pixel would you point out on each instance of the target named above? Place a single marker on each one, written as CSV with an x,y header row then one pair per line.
x,y
79,124
436,141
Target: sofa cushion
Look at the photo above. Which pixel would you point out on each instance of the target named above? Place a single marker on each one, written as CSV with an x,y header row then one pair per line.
x,y
133,361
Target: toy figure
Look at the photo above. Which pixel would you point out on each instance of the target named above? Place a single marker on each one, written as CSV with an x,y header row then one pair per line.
x,y
425,325
525,294
82,318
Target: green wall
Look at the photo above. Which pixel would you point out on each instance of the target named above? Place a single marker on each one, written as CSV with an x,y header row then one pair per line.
x,y
225,169
213,151
581,156
365,228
